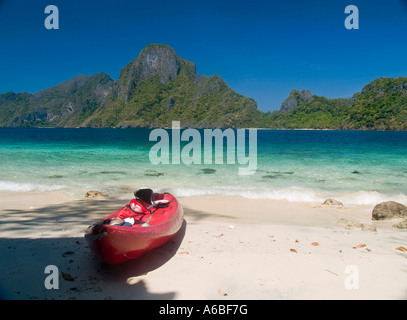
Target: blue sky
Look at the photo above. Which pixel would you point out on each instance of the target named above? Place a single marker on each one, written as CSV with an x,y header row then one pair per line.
x,y
262,49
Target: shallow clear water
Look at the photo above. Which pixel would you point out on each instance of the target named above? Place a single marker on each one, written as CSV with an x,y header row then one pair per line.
x,y
356,167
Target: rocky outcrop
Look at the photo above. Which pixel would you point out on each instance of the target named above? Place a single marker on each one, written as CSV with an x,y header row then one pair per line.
x,y
295,99
64,103
152,90
170,103
381,105
154,60
7,97
157,60
159,86
388,210
382,87
400,87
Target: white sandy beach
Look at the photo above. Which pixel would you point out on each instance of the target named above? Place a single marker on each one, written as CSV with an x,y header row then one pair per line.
x,y
228,248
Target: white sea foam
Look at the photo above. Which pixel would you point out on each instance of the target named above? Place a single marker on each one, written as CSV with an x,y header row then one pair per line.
x,y
27,186
370,197
290,194
294,194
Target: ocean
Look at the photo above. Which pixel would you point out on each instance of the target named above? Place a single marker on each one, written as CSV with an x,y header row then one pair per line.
x,y
355,167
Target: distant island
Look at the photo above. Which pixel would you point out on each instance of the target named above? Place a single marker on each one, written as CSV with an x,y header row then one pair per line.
x,y
159,87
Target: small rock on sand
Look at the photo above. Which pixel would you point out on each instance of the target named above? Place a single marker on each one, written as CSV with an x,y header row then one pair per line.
x,y
349,225
332,202
94,194
401,225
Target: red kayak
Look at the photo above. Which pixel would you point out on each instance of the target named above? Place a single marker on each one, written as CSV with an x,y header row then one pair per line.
x,y
148,221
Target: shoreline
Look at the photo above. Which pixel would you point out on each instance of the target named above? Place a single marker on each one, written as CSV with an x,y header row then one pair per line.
x,y
248,249
201,128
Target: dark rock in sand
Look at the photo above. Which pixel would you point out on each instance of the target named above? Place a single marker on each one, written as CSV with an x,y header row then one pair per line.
x,y
67,276
112,172
271,176
389,210
276,174
154,174
68,253
208,171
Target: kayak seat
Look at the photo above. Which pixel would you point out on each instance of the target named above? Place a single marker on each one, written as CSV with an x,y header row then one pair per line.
x,y
145,195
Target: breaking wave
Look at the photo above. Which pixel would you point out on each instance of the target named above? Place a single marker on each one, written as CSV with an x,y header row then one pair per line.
x,y
293,194
27,187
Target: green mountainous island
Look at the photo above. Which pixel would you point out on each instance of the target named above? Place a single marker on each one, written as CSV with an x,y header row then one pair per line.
x,y
159,87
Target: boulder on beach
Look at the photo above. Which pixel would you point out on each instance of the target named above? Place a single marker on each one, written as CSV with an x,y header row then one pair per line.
x,y
332,202
389,210
94,194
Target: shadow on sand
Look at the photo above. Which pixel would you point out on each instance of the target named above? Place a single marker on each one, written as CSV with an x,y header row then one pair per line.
x,y
33,239
148,262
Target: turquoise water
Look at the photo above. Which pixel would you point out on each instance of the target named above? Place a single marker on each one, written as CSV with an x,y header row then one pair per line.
x,y
355,167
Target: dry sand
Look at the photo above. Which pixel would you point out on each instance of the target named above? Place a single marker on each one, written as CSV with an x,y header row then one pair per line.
x,y
228,248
